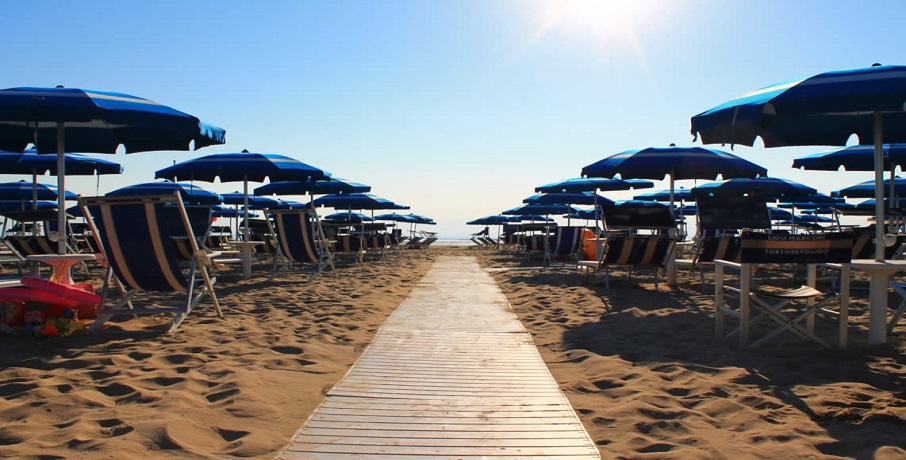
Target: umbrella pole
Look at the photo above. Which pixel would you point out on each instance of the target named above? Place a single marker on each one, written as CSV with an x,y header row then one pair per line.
x,y
245,202
879,189
61,189
671,265
34,189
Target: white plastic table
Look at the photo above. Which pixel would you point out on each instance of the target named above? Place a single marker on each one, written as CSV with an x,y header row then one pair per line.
x,y
245,251
879,273
61,265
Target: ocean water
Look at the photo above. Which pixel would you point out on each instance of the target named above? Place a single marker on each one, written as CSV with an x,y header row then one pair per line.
x,y
453,242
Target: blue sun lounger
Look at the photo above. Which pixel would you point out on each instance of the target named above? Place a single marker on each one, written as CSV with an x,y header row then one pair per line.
x,y
135,233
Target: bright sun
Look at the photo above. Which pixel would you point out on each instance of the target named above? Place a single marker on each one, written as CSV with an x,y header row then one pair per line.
x,y
606,22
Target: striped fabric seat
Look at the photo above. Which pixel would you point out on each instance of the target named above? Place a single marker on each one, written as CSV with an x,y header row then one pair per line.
x,y
295,232
136,234
633,251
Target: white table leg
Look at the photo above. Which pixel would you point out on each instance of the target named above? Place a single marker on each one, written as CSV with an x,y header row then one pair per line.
x,y
877,302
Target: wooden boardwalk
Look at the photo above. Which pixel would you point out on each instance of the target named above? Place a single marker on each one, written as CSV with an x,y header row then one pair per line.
x,y
452,374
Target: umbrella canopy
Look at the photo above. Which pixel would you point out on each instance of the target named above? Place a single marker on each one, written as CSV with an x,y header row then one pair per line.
x,y
26,191
587,214
226,211
394,217
688,210
593,184
244,166
867,189
30,162
683,194
356,201
533,218
19,205
899,203
492,220
348,216
236,198
825,109
778,213
677,162
190,193
854,158
540,209
585,198
60,119
811,201
762,188
421,219
313,187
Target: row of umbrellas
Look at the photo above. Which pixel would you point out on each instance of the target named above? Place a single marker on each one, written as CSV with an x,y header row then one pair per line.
x,y
57,120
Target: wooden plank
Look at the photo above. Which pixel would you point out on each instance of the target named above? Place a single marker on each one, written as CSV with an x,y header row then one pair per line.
x,y
391,456
445,435
356,440
460,428
447,452
451,374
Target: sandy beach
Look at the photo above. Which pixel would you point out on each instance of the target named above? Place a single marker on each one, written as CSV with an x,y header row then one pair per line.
x,y
639,366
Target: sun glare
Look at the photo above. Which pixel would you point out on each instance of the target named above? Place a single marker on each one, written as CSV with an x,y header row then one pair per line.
x,y
602,23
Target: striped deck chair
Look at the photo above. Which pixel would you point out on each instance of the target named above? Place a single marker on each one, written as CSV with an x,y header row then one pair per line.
x,y
566,244
22,246
633,251
135,234
295,232
710,248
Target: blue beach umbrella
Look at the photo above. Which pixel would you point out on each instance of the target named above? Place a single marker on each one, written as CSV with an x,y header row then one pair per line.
x,y
313,187
348,216
26,191
825,109
683,194
867,189
811,201
60,119
593,184
227,211
21,205
540,209
190,193
677,163
492,220
776,213
855,158
30,162
351,201
583,198
239,198
765,188
418,219
394,217
688,210
586,214
244,166
534,217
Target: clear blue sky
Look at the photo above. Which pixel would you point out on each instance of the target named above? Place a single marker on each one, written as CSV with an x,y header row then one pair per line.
x,y
458,108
